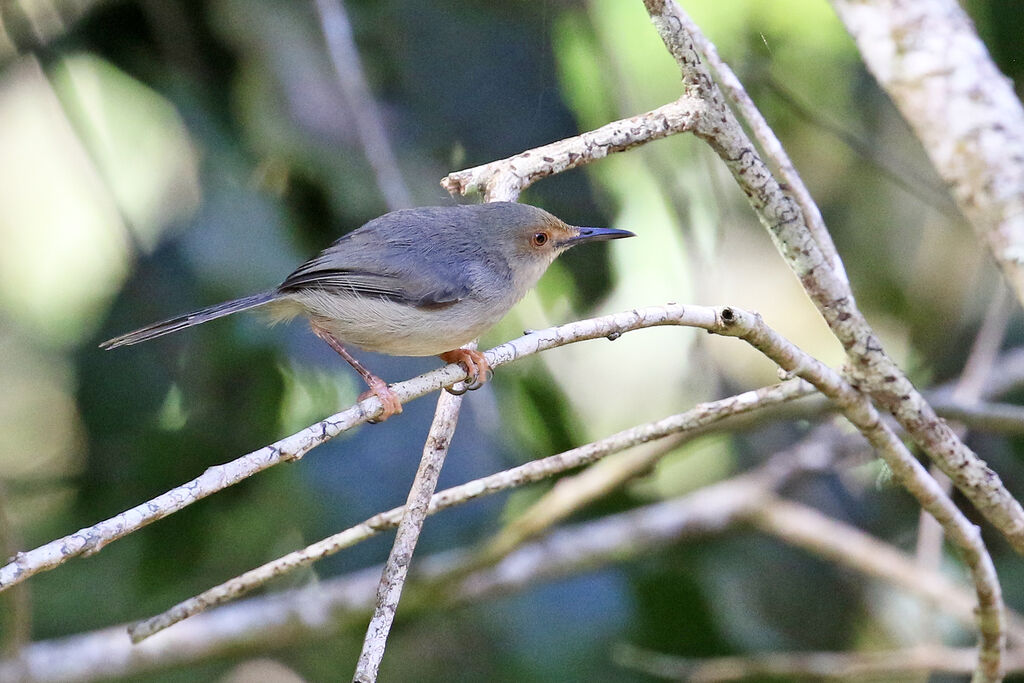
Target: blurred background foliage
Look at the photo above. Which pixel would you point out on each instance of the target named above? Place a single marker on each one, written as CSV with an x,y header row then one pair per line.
x,y
158,156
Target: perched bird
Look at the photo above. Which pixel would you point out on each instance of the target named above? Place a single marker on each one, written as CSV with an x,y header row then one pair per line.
x,y
413,282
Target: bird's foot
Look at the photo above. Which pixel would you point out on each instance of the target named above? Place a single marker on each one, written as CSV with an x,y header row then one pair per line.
x,y
477,368
388,399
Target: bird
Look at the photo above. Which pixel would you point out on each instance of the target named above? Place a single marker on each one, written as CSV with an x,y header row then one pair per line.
x,y
423,281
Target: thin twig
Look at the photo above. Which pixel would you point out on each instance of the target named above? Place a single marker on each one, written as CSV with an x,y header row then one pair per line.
x,y
341,46
999,418
396,569
368,122
699,420
1007,376
970,386
891,167
317,611
575,492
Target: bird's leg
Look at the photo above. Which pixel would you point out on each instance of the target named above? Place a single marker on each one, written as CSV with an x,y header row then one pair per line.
x,y
477,367
378,387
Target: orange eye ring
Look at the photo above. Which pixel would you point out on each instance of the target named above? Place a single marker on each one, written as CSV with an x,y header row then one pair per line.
x,y
539,239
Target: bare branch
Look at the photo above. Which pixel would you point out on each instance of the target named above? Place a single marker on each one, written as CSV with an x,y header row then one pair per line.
x,y
699,420
17,607
392,579
256,624
504,180
870,367
801,237
860,411
929,59
574,493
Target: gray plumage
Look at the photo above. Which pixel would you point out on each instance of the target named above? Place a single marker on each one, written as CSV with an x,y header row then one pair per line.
x,y
413,282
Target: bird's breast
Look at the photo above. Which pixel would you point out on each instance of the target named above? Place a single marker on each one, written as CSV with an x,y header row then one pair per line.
x,y
385,326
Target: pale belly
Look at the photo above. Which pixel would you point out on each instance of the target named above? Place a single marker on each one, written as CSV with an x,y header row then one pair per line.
x,y
384,326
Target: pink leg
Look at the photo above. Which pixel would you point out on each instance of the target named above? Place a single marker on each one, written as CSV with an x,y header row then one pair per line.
x,y
378,387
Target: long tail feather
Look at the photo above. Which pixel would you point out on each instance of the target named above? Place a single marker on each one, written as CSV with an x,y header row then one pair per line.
x,y
190,319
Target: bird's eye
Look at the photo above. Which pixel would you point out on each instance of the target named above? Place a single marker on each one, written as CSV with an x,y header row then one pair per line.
x,y
540,239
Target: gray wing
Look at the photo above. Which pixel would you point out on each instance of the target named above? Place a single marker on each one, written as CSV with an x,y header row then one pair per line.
x,y
368,263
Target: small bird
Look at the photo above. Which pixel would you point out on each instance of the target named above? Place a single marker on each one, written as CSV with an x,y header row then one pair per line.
x,y
413,282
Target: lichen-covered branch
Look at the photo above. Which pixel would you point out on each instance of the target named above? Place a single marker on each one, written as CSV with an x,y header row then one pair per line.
x,y
503,180
317,611
870,368
931,62
702,110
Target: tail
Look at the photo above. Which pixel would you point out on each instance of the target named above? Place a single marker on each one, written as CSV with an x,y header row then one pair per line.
x,y
190,319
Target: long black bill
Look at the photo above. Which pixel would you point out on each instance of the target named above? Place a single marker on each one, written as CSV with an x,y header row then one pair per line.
x,y
597,234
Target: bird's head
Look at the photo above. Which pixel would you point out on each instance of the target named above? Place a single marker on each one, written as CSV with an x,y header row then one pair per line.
x,y
530,238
